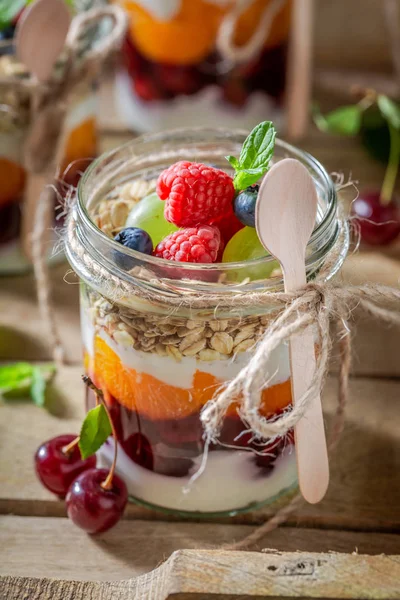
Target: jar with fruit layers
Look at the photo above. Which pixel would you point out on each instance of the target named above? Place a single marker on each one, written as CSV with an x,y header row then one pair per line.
x,y
80,147
184,66
159,356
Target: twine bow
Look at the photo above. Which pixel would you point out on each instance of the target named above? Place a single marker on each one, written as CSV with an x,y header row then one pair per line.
x,y
317,304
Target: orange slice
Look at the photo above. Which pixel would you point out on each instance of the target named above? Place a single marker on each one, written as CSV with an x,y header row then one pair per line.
x,y
81,143
185,39
157,400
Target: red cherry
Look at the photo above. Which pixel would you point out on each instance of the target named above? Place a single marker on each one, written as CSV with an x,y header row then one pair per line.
x,y
146,89
379,223
93,508
57,469
177,79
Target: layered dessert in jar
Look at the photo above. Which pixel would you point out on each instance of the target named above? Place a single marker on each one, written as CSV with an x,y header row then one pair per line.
x,y
204,61
163,237
79,150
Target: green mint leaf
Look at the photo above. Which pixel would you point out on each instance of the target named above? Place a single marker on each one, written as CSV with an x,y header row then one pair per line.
x,y
38,387
16,380
96,428
389,110
233,161
258,147
9,10
345,120
247,177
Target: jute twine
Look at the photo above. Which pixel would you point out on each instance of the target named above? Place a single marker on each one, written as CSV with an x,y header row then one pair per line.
x,y
225,37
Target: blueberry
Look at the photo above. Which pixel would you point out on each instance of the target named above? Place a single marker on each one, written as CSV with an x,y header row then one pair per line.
x,y
135,239
7,33
244,205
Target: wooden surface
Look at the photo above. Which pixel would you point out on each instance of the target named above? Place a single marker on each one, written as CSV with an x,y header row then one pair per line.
x,y
189,574
361,511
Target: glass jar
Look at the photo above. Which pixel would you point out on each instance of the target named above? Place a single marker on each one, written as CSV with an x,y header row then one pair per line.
x,y
79,150
184,65
159,359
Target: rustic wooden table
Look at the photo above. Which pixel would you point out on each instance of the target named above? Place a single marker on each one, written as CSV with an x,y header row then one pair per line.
x,y
361,512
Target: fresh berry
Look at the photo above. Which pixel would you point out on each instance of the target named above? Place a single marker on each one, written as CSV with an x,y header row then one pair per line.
x,y
93,508
178,79
379,223
133,238
57,469
7,33
228,225
148,214
146,88
193,244
244,205
195,193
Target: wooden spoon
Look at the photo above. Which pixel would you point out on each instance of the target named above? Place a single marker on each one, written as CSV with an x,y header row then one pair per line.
x,y
40,37
285,217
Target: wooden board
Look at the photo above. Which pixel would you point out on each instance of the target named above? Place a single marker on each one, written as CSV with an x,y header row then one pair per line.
x,y
189,574
135,547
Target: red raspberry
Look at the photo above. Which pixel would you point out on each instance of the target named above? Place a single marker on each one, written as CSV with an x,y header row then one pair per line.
x,y
194,193
193,244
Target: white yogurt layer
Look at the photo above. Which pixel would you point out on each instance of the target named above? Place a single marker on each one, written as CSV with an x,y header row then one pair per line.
x,y
161,10
204,109
230,481
181,374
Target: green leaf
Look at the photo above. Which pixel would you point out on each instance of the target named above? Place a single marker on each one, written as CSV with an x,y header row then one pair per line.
x,y
9,10
16,380
247,177
345,120
233,161
38,387
258,147
96,428
255,155
390,110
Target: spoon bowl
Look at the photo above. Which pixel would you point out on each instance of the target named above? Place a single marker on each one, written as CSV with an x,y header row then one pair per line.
x,y
40,36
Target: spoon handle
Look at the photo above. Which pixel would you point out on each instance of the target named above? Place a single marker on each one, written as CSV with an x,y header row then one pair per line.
x,y
311,450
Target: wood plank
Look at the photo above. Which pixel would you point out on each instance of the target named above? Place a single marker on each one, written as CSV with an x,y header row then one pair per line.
x,y
226,575
23,335
364,492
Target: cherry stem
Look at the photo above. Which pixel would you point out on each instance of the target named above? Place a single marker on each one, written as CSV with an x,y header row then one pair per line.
x,y
107,483
67,449
389,180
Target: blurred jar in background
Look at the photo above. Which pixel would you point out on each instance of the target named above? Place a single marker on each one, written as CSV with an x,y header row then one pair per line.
x,y
79,149
204,62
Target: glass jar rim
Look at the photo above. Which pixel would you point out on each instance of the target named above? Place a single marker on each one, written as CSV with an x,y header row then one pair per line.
x,y
162,136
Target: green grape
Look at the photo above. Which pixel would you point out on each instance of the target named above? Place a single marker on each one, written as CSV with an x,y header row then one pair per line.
x,y
245,246
148,214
